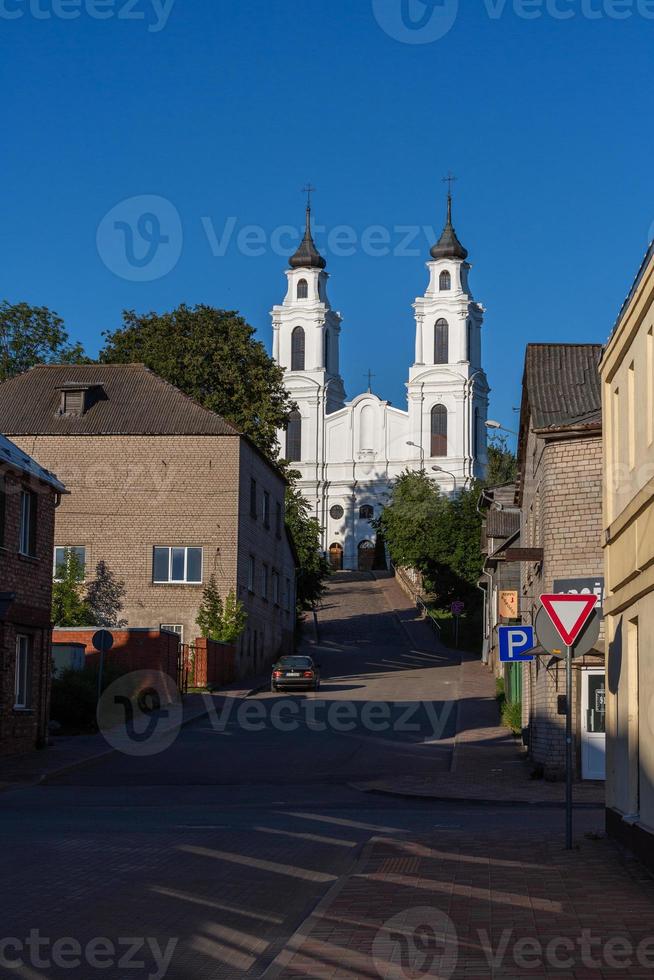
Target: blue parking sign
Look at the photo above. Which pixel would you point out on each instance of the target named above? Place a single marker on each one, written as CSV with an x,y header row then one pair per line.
x,y
515,641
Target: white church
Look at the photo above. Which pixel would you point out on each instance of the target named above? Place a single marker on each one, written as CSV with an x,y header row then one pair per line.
x,y
350,452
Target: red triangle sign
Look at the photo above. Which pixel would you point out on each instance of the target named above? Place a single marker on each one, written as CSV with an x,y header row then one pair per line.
x,y
569,613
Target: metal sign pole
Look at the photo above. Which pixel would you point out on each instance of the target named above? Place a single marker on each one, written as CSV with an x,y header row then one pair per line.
x,y
568,748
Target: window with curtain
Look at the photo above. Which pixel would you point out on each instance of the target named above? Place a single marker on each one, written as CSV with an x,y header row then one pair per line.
x,y
445,280
441,342
294,437
297,349
439,430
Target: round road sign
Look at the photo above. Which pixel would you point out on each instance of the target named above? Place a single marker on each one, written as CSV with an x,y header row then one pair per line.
x,y
550,640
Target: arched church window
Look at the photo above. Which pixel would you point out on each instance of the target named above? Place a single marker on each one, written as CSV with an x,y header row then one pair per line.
x,y
297,349
367,428
445,280
294,437
439,430
327,350
366,513
302,289
441,342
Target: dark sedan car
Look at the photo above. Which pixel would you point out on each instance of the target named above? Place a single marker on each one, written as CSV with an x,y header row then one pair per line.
x,y
295,673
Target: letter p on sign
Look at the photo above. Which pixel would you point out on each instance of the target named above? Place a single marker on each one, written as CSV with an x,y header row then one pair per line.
x,y
515,642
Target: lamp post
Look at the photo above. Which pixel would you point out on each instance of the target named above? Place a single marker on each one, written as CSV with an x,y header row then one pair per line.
x,y
492,424
422,453
439,469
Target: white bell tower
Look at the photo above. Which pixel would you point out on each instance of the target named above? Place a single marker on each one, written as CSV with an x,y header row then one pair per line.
x,y
448,390
306,338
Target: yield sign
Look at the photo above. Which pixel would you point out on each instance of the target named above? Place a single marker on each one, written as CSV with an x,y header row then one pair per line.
x,y
569,613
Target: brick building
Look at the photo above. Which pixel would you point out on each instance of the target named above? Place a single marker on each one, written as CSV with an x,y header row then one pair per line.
x,y
559,492
28,497
164,491
500,530
627,372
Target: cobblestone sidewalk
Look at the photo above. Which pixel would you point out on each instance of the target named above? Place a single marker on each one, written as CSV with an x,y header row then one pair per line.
x,y
451,906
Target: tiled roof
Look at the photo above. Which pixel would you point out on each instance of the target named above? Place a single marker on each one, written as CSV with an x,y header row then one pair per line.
x,y
127,399
502,523
18,460
562,384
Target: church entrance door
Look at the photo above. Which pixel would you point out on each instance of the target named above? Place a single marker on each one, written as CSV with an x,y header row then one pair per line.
x,y
366,556
336,557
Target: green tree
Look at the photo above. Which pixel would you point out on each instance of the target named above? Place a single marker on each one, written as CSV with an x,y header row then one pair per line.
x,y
222,623
104,598
211,355
305,530
234,618
210,614
32,335
69,607
502,463
436,534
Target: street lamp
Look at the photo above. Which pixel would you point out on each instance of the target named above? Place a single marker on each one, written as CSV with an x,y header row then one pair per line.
x,y
422,453
492,424
439,469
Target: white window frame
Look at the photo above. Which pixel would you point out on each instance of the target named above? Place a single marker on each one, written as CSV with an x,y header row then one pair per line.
x,y
23,658
177,581
67,547
172,628
26,517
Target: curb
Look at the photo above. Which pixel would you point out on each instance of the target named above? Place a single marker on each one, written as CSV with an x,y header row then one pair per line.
x,y
71,766
294,942
473,800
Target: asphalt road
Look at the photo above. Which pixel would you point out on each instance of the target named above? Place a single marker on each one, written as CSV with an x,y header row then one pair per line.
x,y
203,860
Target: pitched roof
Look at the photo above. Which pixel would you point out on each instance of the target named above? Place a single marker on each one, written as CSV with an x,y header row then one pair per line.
x,y
562,386
502,523
127,399
20,461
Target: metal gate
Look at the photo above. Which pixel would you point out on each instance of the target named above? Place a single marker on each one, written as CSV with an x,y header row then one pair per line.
x,y
185,667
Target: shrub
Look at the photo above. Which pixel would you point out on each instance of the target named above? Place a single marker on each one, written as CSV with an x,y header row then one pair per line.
x,y
512,716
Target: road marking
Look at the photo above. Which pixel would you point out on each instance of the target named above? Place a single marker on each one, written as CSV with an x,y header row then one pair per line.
x,y
317,838
291,870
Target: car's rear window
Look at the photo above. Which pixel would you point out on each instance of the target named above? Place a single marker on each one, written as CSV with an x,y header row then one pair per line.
x,y
295,662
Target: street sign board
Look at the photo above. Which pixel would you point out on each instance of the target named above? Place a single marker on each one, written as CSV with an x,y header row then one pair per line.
x,y
585,586
515,642
507,604
550,640
102,640
458,607
568,613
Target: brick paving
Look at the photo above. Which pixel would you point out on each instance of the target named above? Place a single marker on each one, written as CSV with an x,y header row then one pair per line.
x,y
68,752
447,905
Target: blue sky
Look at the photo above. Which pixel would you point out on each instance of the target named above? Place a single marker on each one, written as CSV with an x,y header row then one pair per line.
x,y
231,106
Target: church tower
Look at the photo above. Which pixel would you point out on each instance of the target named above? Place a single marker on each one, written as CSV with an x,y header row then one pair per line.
x,y
306,337
447,390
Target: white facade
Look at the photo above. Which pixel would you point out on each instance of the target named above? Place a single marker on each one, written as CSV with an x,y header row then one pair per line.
x,y
349,452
